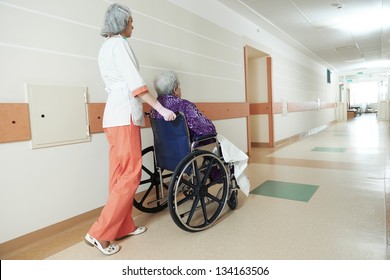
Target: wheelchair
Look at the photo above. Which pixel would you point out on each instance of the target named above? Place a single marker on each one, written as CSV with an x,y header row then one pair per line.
x,y
195,184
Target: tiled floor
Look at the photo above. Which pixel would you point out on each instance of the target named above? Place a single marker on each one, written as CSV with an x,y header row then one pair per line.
x,y
320,198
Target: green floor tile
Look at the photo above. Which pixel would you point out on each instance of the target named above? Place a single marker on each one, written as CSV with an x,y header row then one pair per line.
x,y
292,191
331,150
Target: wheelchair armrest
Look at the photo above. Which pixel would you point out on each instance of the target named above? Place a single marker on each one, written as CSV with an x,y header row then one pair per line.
x,y
201,138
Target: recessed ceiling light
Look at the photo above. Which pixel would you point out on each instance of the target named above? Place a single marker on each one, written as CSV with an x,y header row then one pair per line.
x,y
337,5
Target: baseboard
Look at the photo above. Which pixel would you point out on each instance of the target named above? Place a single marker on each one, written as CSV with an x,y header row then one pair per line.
x,y
260,145
10,247
290,139
304,134
49,233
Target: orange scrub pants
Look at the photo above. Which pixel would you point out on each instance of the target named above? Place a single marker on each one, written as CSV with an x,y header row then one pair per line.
x,y
116,219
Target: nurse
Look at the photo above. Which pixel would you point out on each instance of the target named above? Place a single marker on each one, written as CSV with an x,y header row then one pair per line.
x,y
122,119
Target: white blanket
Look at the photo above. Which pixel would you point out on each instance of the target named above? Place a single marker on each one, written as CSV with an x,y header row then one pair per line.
x,y
240,161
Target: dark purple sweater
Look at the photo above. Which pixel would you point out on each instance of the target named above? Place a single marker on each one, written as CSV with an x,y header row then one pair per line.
x,y
198,123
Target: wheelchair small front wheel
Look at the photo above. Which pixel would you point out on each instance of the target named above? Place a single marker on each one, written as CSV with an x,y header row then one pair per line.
x,y
198,191
232,202
152,197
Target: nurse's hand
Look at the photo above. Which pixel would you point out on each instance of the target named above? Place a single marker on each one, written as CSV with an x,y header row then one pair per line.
x,y
167,114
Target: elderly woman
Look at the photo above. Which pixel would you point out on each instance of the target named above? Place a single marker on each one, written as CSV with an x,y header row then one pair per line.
x,y
168,89
122,119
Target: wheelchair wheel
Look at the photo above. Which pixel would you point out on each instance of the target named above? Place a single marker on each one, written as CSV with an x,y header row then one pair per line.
x,y
152,197
198,191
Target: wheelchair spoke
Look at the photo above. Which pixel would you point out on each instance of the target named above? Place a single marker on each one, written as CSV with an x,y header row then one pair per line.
x,y
187,197
150,173
215,199
164,176
196,170
192,211
204,211
207,172
146,181
146,194
188,183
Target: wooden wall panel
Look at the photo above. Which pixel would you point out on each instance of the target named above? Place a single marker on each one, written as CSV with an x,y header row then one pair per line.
x,y
214,111
302,106
259,108
278,107
95,112
328,105
15,119
14,122
220,111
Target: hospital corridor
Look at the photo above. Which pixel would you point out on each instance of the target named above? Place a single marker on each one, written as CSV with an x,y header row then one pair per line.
x,y
324,196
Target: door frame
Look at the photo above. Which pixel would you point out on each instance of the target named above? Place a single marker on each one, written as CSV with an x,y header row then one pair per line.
x,y
265,108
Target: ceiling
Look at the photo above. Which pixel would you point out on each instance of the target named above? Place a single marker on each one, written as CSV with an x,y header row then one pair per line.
x,y
346,35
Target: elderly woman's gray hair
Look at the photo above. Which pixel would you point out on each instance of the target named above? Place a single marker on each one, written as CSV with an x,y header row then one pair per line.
x,y
166,82
116,20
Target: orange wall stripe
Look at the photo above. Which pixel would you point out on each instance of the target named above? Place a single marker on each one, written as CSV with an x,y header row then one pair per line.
x,y
95,113
221,111
14,122
15,119
214,111
259,108
262,108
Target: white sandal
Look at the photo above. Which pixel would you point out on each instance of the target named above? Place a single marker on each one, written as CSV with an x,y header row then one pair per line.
x,y
110,250
138,230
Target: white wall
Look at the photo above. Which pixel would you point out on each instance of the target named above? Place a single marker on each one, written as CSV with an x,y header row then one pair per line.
x,y
296,82
296,76
56,42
